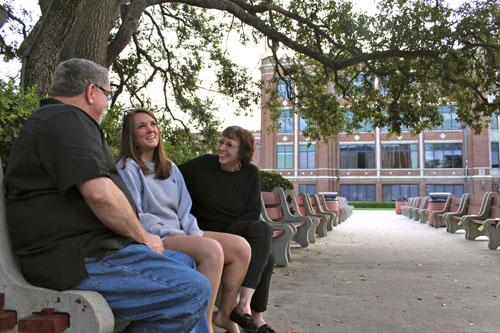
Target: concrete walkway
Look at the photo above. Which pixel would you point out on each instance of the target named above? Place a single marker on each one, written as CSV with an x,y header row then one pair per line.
x,y
380,272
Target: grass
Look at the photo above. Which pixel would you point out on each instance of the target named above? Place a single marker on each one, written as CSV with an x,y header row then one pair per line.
x,y
375,208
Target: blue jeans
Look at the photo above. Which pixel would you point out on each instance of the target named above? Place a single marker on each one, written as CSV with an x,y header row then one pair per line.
x,y
157,293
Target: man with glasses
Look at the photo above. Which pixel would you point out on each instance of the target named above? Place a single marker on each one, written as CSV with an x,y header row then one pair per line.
x,y
108,93
72,221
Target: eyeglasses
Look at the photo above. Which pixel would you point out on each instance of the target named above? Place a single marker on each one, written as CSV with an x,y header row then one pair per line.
x,y
107,93
227,144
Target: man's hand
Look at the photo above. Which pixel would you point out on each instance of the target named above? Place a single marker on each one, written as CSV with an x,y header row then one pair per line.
x,y
153,242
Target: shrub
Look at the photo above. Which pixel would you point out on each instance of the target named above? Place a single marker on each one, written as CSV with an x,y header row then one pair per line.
x,y
269,180
15,107
112,125
372,204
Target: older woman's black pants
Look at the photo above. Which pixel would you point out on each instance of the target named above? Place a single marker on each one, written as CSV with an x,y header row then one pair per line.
x,y
259,235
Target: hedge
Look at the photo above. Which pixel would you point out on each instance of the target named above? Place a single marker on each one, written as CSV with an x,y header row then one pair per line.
x,y
269,180
372,204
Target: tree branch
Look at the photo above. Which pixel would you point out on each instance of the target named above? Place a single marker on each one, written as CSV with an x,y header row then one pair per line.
x,y
249,18
130,16
5,13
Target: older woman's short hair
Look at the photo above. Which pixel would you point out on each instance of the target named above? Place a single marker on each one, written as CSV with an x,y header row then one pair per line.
x,y
246,139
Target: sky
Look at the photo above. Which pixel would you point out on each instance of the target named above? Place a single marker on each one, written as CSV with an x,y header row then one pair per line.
x,y
245,56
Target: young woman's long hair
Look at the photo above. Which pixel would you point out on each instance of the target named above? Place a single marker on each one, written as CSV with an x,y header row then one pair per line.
x,y
129,148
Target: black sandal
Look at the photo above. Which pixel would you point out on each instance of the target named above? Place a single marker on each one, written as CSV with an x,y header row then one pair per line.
x,y
265,329
245,321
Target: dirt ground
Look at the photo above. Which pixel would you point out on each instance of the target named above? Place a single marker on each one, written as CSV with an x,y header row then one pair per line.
x,y
380,272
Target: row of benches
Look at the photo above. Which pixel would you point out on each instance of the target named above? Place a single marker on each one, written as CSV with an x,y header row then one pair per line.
x,y
476,217
299,218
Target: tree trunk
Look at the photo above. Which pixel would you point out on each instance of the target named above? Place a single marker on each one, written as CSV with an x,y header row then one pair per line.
x,y
41,50
67,29
89,36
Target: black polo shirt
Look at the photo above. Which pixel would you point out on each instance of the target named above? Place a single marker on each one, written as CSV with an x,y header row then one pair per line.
x,y
51,226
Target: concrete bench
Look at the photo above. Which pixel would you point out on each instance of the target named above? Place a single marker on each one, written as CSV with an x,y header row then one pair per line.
x,y
283,232
474,224
86,311
324,208
296,207
492,227
277,211
307,208
330,204
454,221
409,203
452,205
451,218
412,203
345,208
414,212
435,206
420,213
316,204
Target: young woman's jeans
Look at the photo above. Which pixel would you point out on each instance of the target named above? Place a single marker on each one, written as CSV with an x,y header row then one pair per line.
x,y
157,293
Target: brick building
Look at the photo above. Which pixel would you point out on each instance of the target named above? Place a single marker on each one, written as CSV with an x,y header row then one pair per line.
x,y
371,165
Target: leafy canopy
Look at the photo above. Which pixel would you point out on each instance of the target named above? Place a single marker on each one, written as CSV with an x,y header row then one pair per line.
x,y
393,69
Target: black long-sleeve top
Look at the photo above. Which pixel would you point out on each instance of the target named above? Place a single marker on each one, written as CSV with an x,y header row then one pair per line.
x,y
221,197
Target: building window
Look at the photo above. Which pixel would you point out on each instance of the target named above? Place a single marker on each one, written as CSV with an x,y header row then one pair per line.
x,y
284,88
285,156
358,192
403,128
455,189
307,156
450,119
494,122
443,155
392,192
364,126
382,85
400,156
357,156
495,163
308,188
285,121
355,85
302,124
361,81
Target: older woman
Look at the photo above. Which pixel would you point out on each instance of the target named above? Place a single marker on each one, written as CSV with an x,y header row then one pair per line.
x,y
164,204
226,198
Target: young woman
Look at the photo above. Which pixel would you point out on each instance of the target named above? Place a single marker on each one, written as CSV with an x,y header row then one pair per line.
x,y
232,205
163,205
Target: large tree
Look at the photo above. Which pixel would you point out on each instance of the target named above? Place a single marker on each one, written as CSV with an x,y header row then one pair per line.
x,y
393,69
